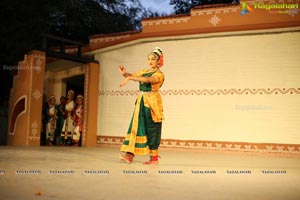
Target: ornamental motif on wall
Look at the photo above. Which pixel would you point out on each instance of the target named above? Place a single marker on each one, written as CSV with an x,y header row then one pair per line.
x,y
39,59
37,94
293,12
38,56
34,131
214,20
37,66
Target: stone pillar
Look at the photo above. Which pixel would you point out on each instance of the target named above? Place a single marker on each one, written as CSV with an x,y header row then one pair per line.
x,y
25,104
91,91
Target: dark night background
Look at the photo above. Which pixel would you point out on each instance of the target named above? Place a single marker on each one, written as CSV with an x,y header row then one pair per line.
x,y
23,22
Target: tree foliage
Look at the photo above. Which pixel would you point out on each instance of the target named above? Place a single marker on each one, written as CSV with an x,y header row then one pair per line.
x,y
24,21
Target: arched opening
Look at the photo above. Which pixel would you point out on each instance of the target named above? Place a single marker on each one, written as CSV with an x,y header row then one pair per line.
x,y
17,111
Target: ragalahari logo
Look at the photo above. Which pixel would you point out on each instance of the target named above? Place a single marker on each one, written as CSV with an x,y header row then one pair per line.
x,y
245,8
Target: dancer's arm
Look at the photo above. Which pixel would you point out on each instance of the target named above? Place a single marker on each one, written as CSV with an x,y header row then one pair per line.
x,y
123,72
140,79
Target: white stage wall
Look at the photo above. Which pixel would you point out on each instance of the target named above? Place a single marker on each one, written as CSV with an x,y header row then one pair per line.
x,y
239,87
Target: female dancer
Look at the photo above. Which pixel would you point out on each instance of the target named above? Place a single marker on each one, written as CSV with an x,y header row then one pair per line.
x,y
144,132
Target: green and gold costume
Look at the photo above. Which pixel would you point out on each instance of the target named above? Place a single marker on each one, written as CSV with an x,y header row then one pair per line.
x,y
144,131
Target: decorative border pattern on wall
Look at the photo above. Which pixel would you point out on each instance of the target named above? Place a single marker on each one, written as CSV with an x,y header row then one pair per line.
x,y
157,21
85,103
108,39
215,145
268,1
220,10
210,92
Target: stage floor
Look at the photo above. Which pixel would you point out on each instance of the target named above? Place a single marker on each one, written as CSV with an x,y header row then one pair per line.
x,y
97,173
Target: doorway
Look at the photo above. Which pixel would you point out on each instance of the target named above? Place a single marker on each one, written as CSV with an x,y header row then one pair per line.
x,y
75,83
